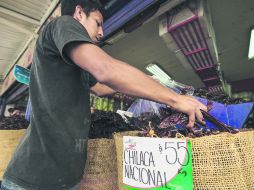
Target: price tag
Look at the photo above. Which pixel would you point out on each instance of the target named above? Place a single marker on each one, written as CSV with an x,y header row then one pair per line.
x,y
157,163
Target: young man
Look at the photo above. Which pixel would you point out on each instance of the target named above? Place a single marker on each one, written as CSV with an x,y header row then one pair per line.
x,y
52,153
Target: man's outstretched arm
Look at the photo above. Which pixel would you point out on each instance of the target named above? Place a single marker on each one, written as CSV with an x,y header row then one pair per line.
x,y
127,79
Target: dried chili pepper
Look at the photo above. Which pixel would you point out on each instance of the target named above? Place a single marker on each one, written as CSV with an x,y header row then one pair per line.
x,y
13,123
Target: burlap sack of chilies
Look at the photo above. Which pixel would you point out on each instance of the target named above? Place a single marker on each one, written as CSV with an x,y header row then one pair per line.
x,y
224,161
9,140
101,167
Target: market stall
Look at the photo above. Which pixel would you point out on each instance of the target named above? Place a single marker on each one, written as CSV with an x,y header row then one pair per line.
x,y
137,144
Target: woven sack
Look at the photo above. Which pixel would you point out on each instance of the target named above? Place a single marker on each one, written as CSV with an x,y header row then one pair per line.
x,y
9,140
100,171
224,161
101,168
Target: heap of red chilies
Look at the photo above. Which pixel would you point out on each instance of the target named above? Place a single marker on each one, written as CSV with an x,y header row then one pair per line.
x,y
171,123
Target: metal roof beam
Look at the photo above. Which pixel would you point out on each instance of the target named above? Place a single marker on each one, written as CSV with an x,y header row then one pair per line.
x,y
19,16
51,8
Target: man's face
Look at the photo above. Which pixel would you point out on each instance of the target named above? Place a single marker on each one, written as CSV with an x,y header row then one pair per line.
x,y
93,24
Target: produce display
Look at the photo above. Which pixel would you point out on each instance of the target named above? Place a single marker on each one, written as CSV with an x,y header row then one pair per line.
x,y
171,123
162,122
103,124
111,103
218,97
13,123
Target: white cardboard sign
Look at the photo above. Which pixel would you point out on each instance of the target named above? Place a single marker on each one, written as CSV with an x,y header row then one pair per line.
x,y
152,162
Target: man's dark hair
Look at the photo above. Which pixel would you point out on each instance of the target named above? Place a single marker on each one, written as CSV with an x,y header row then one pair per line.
x,y
68,6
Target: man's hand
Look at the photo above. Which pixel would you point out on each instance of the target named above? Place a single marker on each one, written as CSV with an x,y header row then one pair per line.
x,y
190,106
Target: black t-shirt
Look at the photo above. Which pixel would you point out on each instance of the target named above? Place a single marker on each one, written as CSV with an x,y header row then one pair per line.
x,y
52,153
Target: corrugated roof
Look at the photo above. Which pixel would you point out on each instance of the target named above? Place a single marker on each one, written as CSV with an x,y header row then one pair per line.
x,y
20,21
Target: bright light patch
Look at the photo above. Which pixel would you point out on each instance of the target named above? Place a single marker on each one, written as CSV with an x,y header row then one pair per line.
x,y
158,72
251,48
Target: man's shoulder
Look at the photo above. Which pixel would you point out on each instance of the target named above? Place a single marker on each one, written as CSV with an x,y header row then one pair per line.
x,y
65,18
62,19
63,22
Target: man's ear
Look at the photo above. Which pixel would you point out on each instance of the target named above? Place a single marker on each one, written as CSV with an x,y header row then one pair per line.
x,y
78,14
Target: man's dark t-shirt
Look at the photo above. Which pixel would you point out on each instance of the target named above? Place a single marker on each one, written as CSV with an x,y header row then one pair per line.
x,y
52,153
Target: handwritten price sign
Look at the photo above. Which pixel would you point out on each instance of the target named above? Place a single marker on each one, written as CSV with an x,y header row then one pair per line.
x,y
157,163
